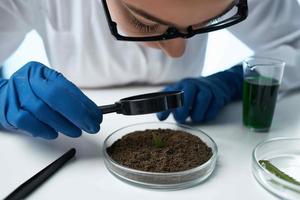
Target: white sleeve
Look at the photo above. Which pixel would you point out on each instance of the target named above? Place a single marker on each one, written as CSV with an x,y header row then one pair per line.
x,y
14,15
272,29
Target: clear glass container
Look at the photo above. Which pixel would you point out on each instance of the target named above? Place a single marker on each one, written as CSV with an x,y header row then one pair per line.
x,y
283,153
155,180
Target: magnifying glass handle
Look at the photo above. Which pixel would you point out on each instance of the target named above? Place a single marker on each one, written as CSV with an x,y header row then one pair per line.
x,y
109,108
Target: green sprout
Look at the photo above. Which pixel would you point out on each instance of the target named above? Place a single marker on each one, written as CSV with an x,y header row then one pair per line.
x,y
158,143
277,172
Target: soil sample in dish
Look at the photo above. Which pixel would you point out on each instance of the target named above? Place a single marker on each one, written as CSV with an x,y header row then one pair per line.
x,y
177,150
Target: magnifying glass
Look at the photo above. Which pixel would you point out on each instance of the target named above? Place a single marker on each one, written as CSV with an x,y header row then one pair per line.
x,y
146,103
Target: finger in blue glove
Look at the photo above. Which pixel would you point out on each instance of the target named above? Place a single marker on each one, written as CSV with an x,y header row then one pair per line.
x,y
190,91
203,101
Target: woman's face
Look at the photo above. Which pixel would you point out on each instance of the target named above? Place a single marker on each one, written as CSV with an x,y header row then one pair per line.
x,y
148,17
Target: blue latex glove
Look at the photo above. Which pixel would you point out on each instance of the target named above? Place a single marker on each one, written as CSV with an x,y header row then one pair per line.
x,y
42,102
205,96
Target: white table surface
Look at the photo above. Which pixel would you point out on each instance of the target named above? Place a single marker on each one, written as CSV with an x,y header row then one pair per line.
x,y
87,178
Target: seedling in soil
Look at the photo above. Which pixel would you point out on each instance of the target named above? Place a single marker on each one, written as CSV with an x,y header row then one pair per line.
x,y
158,143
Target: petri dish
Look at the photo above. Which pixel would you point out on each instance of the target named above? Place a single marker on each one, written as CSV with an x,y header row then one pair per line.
x,y
283,153
157,180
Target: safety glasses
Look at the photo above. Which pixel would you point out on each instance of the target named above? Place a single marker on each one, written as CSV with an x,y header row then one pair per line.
x,y
234,14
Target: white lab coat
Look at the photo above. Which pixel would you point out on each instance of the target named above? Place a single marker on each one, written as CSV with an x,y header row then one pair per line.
x,y
79,45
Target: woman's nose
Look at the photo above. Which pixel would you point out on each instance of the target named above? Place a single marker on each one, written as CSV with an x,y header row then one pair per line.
x,y
174,48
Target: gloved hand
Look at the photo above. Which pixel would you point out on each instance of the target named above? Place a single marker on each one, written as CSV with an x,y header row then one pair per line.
x,y
42,102
205,96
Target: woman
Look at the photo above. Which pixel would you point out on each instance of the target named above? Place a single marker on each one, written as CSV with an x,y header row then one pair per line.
x,y
79,44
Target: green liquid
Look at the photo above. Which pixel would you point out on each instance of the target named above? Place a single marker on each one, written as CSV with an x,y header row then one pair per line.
x,y
259,100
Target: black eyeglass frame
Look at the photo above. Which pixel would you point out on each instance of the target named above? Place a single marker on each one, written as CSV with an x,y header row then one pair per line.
x,y
173,32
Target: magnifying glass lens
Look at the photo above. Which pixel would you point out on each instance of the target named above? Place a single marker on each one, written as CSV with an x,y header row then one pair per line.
x,y
146,103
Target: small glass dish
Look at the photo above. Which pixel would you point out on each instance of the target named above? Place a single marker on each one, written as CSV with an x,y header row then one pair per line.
x,y
155,180
284,154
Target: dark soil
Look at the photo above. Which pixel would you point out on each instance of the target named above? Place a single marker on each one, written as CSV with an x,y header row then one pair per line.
x,y
181,151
